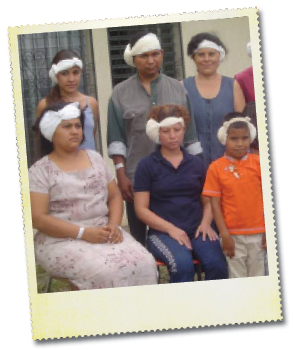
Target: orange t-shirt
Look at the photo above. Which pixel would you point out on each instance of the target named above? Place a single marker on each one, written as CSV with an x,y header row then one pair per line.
x,y
238,184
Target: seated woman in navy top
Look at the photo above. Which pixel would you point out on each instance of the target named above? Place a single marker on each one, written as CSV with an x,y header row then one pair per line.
x,y
167,194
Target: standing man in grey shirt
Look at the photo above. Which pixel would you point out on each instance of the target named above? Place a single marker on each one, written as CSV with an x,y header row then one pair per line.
x,y
129,107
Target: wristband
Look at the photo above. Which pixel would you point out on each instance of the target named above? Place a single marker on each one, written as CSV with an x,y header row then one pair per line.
x,y
119,166
80,233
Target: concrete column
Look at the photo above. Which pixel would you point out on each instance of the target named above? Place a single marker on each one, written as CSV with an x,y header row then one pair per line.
x,y
104,87
103,81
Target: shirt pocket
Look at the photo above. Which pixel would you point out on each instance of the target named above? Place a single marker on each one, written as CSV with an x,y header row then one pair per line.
x,y
135,119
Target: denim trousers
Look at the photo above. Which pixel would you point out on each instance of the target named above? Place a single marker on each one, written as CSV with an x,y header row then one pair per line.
x,y
179,259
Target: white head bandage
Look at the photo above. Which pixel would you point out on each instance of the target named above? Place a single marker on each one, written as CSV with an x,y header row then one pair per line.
x,y
153,127
249,50
64,65
206,44
222,132
147,43
51,119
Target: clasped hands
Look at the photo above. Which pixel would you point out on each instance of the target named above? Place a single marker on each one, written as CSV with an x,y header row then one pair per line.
x,y
110,233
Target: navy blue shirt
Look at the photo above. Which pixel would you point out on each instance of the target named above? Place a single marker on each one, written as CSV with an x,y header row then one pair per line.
x,y
174,193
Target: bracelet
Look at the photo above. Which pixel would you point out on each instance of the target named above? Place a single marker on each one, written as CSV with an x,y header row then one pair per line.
x,y
80,233
119,166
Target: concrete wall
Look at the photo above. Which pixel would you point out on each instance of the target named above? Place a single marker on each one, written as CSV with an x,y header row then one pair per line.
x,y
233,32
104,88
103,81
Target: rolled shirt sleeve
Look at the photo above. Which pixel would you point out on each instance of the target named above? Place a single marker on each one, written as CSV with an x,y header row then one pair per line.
x,y
191,143
116,135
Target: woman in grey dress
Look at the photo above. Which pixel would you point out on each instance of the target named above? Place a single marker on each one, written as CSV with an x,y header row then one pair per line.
x,y
77,209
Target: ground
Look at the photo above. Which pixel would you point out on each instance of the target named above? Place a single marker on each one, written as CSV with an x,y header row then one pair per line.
x,y
62,286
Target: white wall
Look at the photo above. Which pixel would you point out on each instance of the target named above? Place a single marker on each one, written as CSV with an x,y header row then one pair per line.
x,y
233,32
103,81
104,87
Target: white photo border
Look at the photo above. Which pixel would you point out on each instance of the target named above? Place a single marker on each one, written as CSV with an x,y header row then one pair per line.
x,y
159,307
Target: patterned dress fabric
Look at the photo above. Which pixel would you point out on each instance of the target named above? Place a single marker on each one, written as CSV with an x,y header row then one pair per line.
x,y
80,197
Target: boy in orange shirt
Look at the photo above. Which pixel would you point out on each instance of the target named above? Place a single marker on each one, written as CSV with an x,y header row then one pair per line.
x,y
233,183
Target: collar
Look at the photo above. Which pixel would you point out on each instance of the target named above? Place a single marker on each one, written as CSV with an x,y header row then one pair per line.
x,y
155,81
231,159
157,155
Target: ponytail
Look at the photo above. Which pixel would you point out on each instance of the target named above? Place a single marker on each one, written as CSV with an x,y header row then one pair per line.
x,y
54,95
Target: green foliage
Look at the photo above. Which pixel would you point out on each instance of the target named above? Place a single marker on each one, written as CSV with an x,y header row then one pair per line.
x,y
56,285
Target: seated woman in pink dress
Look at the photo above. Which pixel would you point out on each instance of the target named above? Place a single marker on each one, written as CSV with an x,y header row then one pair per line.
x,y
77,209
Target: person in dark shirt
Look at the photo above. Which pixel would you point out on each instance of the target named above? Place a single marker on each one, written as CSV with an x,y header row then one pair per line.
x,y
167,191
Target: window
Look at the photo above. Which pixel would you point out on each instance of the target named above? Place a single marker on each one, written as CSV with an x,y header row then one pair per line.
x,y
169,35
36,53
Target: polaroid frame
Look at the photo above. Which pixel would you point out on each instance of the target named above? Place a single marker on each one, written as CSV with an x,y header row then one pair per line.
x,y
158,307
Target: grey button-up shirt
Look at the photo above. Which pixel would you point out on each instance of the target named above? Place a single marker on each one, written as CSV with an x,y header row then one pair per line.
x,y
129,107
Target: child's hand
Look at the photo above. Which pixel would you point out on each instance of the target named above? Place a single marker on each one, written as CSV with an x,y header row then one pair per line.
x,y
228,246
206,230
263,243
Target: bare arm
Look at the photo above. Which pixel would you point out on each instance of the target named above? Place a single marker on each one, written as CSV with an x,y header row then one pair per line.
x,y
41,106
124,183
47,223
228,244
55,227
207,211
239,99
115,204
205,226
141,203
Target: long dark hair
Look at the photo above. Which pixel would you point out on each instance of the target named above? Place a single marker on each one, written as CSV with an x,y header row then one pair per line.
x,y
54,95
46,146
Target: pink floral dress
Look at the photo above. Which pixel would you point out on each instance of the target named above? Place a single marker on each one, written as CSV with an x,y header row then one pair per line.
x,y
80,197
